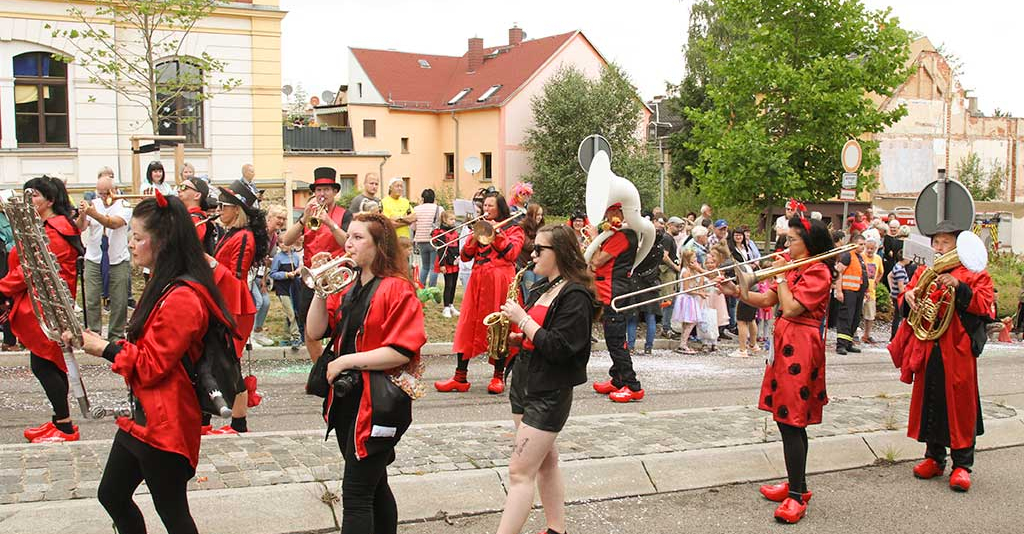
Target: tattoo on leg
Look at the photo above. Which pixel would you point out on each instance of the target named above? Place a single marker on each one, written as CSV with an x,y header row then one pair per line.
x,y
519,448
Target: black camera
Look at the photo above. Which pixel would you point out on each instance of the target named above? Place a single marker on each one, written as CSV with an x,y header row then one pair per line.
x,y
346,382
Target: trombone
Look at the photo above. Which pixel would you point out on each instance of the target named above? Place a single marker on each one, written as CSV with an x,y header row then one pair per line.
x,y
617,307
457,229
111,198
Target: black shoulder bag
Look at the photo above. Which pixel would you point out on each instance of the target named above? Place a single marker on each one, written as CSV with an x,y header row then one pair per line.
x,y
316,382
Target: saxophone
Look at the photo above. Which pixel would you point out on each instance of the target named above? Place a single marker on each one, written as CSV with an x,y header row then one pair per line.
x,y
497,323
49,295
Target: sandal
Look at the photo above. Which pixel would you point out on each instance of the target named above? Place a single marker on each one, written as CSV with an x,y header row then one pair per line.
x,y
681,350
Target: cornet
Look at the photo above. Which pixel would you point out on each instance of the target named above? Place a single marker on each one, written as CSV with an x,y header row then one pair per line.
x,y
331,277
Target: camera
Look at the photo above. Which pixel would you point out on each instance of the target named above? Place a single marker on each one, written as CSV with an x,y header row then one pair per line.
x,y
346,382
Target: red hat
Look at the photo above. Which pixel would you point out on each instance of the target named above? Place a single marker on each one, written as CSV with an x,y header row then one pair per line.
x,y
325,176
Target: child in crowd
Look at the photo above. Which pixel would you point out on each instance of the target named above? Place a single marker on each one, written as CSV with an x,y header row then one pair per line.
x,y
447,260
687,305
284,271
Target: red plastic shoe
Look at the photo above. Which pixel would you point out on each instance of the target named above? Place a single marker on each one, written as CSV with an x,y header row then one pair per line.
x,y
929,468
604,388
54,435
790,511
960,480
206,430
36,431
626,395
779,492
224,430
445,386
496,387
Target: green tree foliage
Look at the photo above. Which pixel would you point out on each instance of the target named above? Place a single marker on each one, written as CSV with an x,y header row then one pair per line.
x,y
572,107
148,33
788,90
983,185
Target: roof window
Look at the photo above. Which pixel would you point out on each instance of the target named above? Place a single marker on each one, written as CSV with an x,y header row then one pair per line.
x,y
489,93
424,64
455,99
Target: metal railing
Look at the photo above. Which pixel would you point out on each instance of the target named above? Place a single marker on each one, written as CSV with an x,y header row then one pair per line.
x,y
317,139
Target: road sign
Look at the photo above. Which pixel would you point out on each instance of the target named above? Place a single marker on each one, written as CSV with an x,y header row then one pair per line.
x,y
590,145
849,180
851,155
959,206
848,194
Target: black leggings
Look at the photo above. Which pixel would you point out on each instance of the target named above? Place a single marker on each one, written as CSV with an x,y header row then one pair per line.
x,y
367,504
450,281
166,474
55,384
794,446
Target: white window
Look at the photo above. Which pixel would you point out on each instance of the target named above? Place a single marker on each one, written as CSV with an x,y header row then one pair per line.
x,y
455,99
489,93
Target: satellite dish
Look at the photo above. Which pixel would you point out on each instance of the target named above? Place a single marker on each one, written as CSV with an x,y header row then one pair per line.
x,y
472,165
287,90
327,96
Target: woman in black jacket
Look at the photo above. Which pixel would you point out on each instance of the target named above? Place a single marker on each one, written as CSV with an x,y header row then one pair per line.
x,y
554,339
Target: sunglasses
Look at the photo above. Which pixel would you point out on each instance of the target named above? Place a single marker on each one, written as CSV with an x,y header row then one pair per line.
x,y
537,249
185,186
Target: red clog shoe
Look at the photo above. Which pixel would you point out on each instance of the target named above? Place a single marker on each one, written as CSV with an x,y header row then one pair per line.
x,y
960,480
224,430
779,492
54,435
206,430
626,395
929,468
36,431
496,387
604,388
445,386
790,511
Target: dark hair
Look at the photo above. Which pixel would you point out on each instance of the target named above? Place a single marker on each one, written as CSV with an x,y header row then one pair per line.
x,y
691,214
428,196
155,166
53,189
818,240
390,260
569,259
503,211
838,236
177,252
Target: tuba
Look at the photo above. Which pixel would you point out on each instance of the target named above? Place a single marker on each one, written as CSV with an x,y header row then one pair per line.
x,y
604,189
497,323
935,306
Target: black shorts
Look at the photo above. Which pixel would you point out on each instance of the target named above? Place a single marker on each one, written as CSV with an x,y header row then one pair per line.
x,y
745,312
543,410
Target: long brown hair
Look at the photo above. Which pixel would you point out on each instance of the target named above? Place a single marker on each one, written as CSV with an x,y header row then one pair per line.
x,y
530,224
569,259
389,259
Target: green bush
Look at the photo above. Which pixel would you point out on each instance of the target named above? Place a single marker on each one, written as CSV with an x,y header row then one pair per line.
x,y
883,299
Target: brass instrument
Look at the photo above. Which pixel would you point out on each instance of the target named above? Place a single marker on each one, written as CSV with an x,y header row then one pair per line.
x,y
330,277
50,297
205,220
457,229
484,231
606,189
111,198
315,221
497,323
745,277
932,314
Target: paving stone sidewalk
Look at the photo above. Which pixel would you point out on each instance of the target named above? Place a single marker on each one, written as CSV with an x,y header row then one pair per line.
x,y
30,473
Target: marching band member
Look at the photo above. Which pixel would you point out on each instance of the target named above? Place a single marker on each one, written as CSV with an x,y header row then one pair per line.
x,y
160,442
326,236
945,410
195,194
793,389
47,358
493,271
244,245
382,296
554,336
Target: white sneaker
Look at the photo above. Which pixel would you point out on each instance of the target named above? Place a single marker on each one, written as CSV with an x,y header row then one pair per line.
x,y
447,312
261,339
455,311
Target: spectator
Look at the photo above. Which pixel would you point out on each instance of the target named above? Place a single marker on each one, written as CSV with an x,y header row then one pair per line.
x,y
532,222
7,236
647,274
427,219
719,234
277,218
397,208
670,268
447,261
187,172
782,222
579,225
284,271
105,236
699,243
248,179
520,196
898,280
371,186
705,216
155,180
687,307
873,264
752,250
891,243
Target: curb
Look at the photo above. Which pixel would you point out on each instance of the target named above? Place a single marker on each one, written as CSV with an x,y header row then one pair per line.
x,y
305,507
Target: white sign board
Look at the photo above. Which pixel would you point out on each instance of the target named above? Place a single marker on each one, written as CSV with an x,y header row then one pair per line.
x,y
851,155
848,194
849,180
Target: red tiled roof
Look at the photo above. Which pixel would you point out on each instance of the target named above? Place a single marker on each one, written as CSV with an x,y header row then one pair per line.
x,y
403,82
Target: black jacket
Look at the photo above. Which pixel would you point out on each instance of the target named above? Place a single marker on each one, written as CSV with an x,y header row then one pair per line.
x,y
562,345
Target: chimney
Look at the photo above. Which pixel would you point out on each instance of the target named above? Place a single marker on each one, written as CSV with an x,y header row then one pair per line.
x,y
972,106
515,35
475,54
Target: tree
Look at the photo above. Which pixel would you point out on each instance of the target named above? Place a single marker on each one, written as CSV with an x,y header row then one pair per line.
x,y
789,89
134,65
983,185
572,107
296,114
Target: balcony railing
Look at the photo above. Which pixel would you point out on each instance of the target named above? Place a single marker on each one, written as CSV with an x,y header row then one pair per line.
x,y
317,139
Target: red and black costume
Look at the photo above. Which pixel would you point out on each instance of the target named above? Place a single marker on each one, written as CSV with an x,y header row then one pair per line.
x,y
446,261
313,243
945,409
205,230
368,429
611,280
234,255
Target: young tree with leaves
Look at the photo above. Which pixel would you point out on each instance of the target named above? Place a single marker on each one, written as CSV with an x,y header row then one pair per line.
x,y
788,91
572,107
983,184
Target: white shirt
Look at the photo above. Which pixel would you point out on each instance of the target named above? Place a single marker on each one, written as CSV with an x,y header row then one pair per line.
x,y
781,225
117,238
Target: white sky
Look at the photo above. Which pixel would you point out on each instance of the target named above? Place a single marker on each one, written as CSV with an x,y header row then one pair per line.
x,y
647,42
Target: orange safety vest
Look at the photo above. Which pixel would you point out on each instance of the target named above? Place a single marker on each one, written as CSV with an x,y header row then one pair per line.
x,y
853,276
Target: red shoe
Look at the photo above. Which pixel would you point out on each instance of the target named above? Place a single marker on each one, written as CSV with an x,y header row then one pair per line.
x,y
604,388
36,431
626,395
790,511
496,387
929,468
225,430
54,435
206,430
960,480
444,386
779,492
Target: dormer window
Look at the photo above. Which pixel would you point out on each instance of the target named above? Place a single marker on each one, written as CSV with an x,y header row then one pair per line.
x,y
424,64
455,99
489,93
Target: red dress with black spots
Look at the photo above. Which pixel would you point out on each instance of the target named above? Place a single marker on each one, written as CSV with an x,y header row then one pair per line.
x,y
794,384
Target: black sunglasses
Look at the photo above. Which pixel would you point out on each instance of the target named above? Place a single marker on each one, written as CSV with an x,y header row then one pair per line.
x,y
541,248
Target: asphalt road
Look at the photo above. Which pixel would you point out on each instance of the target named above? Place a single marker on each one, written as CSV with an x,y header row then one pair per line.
x,y
885,499
672,381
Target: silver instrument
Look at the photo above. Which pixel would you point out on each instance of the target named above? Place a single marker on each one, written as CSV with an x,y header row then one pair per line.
x,y
331,277
50,297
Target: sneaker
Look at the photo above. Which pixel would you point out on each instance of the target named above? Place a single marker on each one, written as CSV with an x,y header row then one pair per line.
x,y
647,350
455,311
262,339
447,312
739,353
54,435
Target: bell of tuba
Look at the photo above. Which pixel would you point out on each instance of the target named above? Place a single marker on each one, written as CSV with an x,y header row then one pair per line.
x,y
330,277
605,189
935,306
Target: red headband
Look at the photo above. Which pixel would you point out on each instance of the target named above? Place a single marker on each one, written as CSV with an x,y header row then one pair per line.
x,y
161,200
805,222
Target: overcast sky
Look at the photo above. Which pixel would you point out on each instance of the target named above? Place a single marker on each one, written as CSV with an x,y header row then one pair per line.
x,y
646,42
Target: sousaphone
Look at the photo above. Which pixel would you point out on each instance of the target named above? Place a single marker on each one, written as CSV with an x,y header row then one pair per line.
x,y
604,189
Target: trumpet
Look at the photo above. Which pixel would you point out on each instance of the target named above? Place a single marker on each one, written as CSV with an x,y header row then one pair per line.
x,y
331,277
616,302
111,198
457,229
211,218
315,221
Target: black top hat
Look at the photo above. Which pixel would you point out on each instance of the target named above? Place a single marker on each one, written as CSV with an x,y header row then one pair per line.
x,y
325,176
239,195
945,227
